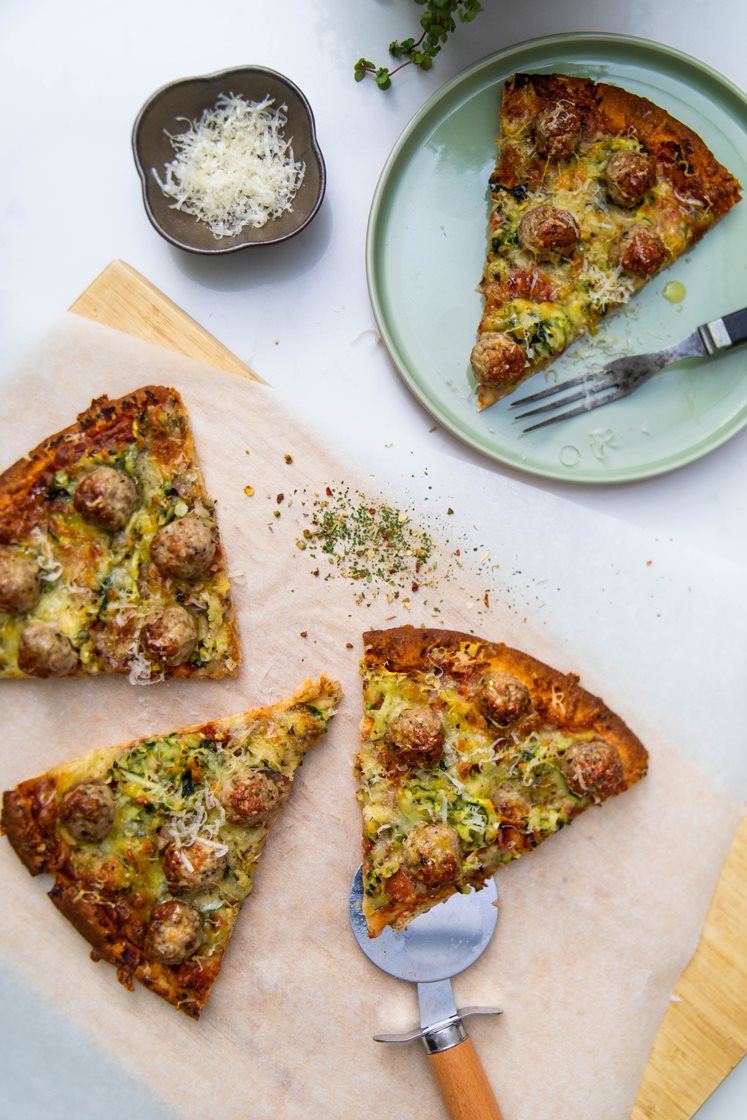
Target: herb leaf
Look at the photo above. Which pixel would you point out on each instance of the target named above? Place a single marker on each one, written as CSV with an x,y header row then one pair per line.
x,y
438,23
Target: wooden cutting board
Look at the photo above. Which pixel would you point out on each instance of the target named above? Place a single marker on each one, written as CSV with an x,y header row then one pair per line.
x,y
704,1033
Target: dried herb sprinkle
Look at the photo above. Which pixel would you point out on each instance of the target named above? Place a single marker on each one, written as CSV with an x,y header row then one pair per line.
x,y
365,540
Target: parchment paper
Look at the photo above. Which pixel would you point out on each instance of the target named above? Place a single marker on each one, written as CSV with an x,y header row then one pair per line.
x,y
595,927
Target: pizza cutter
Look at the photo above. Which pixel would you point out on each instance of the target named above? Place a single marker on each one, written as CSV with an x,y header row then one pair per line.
x,y
436,946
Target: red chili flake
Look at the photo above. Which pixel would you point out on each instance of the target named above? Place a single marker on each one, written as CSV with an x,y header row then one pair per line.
x,y
372,509
486,599
415,586
280,498
348,645
457,552
315,572
328,491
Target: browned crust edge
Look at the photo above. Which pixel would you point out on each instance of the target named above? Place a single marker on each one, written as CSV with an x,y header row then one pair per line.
x,y
406,649
186,986
28,822
666,137
104,419
619,111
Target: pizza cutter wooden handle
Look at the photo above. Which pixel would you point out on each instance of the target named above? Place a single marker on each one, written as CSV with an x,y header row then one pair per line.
x,y
464,1086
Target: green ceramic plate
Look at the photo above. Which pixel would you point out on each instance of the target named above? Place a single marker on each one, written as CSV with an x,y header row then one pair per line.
x,y
425,254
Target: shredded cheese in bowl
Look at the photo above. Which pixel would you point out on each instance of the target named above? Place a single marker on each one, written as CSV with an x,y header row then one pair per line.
x,y
233,167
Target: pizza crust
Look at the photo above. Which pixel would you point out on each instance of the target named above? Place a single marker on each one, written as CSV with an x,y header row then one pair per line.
x,y
558,699
110,425
613,110
523,295
407,649
107,919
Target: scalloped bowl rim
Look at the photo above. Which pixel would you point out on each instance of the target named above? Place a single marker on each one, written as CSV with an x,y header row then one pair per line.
x,y
208,79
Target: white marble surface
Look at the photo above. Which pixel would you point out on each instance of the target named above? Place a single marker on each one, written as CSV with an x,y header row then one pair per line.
x,y
74,73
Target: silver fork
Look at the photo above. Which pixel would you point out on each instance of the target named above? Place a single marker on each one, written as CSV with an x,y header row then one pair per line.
x,y
622,376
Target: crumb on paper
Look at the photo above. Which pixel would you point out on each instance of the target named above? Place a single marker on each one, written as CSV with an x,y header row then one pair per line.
x,y
249,491
399,553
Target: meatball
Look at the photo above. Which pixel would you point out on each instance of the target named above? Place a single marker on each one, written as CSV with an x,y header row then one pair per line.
x,y
416,736
639,251
170,634
252,798
557,131
19,582
190,869
545,230
399,887
497,358
184,548
45,652
628,176
592,768
174,932
512,808
107,497
433,855
87,811
503,699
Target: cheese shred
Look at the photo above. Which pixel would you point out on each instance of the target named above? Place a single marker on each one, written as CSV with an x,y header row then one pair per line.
x,y
233,167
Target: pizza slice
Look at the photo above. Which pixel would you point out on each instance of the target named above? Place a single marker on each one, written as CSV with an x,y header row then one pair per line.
x,y
471,754
153,843
594,192
110,556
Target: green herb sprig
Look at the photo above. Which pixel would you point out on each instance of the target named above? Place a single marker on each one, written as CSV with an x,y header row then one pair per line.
x,y
438,23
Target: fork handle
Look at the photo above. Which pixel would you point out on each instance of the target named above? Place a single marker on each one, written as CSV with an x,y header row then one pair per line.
x,y
723,333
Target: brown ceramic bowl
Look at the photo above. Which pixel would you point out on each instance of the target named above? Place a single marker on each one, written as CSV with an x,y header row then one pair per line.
x,y
189,98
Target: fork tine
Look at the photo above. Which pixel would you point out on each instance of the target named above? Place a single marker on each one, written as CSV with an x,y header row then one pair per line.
x,y
585,378
602,382
589,406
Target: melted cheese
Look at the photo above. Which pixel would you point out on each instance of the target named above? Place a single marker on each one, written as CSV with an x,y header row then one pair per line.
x,y
92,580
476,763
587,283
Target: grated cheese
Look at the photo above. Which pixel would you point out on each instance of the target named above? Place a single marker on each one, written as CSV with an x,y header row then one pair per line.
x,y
141,670
606,287
233,167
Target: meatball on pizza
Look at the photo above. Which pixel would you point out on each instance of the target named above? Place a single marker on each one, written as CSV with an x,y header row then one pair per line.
x,y
153,843
110,556
595,190
471,754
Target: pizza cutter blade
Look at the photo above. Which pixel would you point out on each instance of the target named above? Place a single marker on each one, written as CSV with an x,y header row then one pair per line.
x,y
436,946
